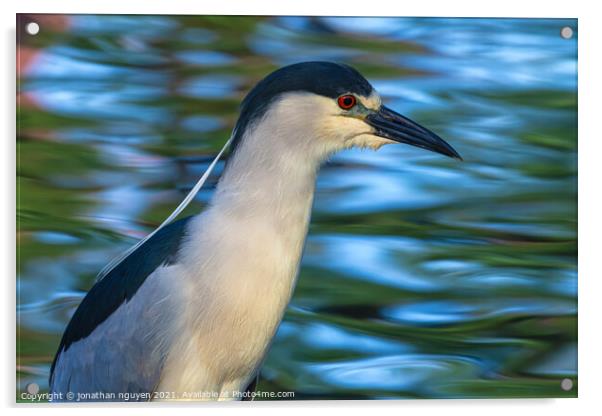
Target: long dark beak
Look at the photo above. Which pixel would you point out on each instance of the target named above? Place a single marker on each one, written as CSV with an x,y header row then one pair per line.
x,y
394,126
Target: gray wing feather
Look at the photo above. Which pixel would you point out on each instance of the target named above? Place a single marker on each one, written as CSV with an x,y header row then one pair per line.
x,y
124,355
118,337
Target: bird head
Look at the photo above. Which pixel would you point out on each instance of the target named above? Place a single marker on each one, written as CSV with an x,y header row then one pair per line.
x,y
322,107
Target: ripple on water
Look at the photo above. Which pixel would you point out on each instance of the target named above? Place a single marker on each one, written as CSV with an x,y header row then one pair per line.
x,y
395,373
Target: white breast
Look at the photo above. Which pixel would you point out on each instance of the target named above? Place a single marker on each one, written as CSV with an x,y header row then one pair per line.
x,y
236,286
239,267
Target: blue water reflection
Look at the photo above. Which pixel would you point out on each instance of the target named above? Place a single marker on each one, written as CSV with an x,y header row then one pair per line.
x,y
422,276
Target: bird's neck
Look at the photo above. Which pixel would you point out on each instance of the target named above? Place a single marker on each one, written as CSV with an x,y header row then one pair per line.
x,y
244,253
269,181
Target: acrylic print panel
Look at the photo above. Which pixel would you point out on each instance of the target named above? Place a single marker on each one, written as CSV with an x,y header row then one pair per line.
x,y
422,276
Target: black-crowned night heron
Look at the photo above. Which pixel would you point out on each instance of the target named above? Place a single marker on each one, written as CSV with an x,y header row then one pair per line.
x,y
191,312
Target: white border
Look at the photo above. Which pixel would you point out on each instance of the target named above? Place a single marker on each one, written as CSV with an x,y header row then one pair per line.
x,y
590,208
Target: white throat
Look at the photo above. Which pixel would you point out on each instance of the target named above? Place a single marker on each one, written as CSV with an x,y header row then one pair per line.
x,y
271,176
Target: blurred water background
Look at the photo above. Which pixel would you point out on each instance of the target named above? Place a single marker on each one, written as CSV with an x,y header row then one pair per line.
x,y
423,277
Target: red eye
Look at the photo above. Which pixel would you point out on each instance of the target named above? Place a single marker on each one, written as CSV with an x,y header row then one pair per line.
x,y
346,102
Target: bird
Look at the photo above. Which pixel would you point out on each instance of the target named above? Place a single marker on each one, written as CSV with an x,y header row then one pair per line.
x,y
191,312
